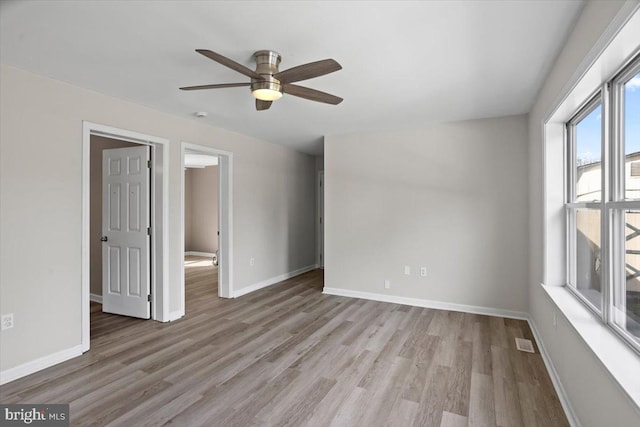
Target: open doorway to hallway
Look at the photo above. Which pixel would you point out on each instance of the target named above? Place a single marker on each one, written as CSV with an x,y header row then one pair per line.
x,y
207,213
201,227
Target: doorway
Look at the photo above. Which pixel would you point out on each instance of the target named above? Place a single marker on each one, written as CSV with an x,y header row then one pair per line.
x,y
320,187
119,249
201,228
126,149
224,231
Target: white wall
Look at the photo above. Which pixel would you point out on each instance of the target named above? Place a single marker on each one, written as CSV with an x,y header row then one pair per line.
x,y
40,196
451,197
201,187
595,397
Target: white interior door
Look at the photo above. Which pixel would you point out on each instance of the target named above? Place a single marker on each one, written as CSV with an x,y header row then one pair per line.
x,y
125,232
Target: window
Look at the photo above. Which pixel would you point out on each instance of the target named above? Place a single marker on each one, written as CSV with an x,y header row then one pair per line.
x,y
585,205
603,203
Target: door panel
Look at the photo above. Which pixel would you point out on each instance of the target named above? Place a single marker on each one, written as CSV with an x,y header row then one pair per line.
x,y
114,269
134,207
126,252
114,207
134,272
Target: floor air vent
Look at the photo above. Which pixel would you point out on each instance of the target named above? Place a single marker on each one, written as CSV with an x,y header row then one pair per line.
x,y
524,345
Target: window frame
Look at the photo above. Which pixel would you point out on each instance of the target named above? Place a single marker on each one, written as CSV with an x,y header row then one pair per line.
x,y
617,125
620,203
572,205
613,203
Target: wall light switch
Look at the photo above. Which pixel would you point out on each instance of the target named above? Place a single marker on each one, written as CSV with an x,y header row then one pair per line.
x,y
387,284
407,270
252,261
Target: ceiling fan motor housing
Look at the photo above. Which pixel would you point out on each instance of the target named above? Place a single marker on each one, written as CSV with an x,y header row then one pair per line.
x,y
267,62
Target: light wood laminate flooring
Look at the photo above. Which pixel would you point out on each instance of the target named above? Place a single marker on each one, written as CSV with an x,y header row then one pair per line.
x,y
288,355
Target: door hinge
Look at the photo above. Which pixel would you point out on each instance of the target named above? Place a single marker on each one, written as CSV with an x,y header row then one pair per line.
x,y
149,164
148,231
320,220
149,297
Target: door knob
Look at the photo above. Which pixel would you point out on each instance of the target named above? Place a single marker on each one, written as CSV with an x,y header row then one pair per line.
x,y
104,238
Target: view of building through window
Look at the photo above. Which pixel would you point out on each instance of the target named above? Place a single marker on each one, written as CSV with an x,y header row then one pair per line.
x,y
588,261
588,188
589,157
627,303
631,131
628,300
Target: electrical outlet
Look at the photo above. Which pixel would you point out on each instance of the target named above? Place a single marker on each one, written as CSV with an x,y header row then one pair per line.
x,y
423,271
252,261
407,270
387,284
7,321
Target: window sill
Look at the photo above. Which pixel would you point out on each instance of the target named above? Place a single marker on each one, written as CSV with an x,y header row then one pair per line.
x,y
622,363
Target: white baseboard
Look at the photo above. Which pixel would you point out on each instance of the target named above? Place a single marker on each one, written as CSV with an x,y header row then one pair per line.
x,y
175,315
273,281
39,364
95,298
555,378
439,305
196,253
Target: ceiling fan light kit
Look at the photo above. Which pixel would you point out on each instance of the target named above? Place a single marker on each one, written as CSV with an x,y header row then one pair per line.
x,y
268,83
267,88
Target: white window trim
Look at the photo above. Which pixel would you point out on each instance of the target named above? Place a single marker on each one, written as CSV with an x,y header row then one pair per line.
x,y
619,203
612,205
573,206
622,363
617,44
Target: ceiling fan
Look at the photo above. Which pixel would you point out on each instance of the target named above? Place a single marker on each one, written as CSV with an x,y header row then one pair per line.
x,y
268,83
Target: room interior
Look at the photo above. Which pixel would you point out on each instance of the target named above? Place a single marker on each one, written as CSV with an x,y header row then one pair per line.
x,y
395,190
201,188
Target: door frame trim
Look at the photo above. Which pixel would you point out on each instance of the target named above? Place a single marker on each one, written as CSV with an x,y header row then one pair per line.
x,y
320,184
225,217
159,255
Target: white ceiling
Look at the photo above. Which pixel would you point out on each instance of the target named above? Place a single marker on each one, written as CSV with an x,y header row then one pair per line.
x,y
405,64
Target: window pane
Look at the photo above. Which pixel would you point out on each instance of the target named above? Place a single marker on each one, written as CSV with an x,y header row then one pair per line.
x,y
587,247
627,294
631,137
589,156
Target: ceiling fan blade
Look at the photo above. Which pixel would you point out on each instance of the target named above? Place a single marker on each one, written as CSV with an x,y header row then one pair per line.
x,y
218,86
229,63
263,105
308,71
311,94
